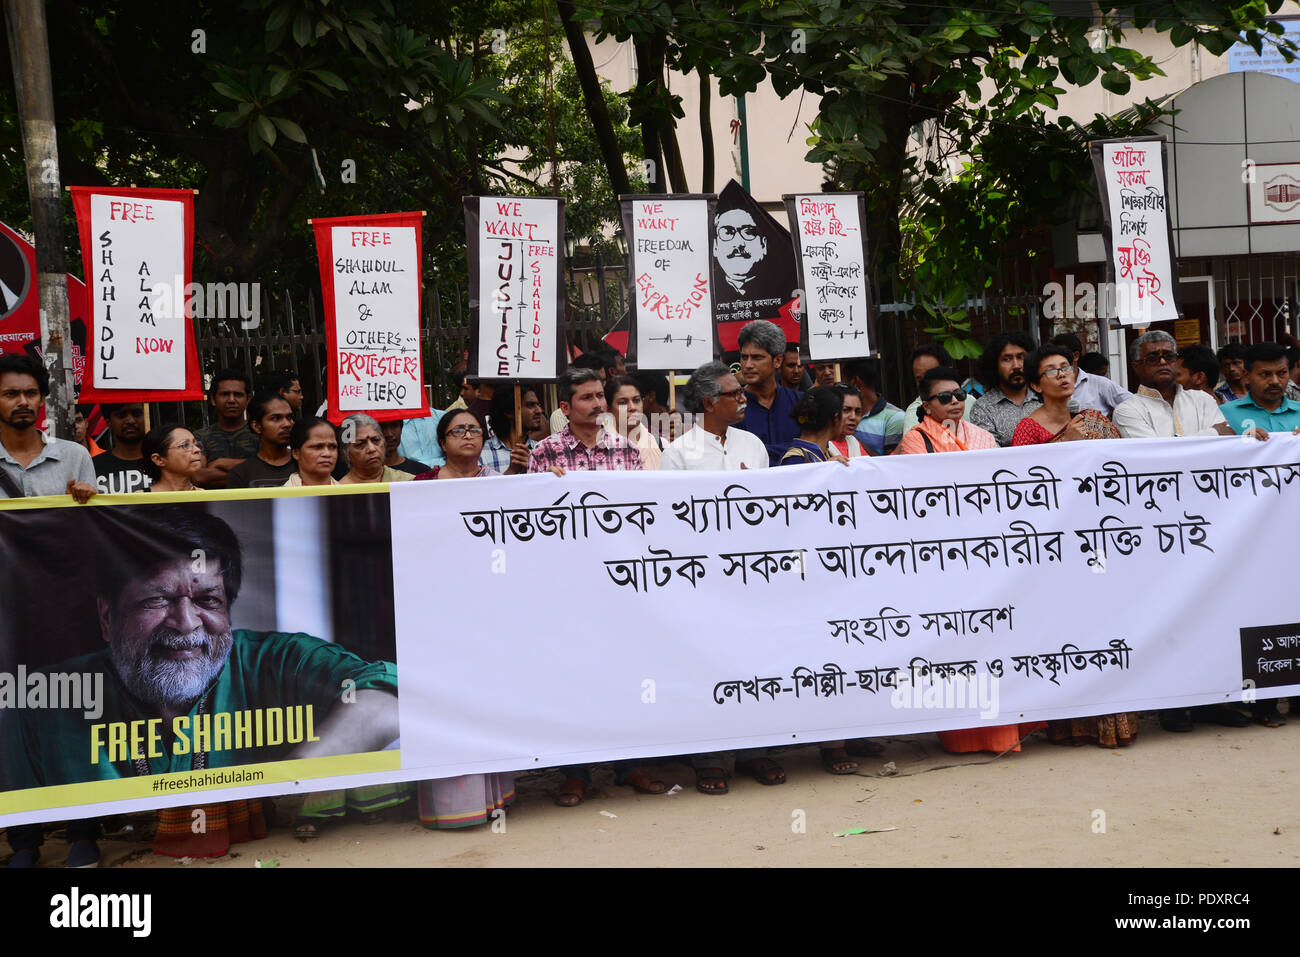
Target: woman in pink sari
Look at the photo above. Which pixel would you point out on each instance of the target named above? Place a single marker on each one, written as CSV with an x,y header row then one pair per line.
x,y
943,429
1050,371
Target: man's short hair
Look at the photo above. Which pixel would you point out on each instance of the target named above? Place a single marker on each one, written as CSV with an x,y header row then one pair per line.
x,y
654,382
792,347
573,377
589,360
26,365
145,536
1264,352
1201,359
988,362
458,380
261,404
868,370
1068,340
703,384
230,375
764,334
279,381
1233,350
1292,357
1093,363
1155,335
501,411
934,351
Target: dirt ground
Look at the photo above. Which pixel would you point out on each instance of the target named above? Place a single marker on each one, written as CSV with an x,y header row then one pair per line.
x,y
1210,798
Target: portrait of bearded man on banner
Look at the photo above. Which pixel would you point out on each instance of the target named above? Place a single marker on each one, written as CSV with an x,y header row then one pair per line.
x,y
163,582
753,269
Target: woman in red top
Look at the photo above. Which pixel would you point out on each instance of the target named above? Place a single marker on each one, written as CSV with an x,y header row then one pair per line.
x,y
1050,370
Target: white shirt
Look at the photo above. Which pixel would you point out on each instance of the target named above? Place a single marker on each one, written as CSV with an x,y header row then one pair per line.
x,y
1147,415
1098,392
701,450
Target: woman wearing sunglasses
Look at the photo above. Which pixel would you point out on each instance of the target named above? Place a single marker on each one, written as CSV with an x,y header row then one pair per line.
x,y
1050,371
942,427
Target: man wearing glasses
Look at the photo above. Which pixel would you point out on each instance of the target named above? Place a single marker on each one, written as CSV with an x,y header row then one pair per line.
x,y
1162,408
738,249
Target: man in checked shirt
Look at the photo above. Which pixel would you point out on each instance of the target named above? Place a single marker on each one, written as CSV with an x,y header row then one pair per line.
x,y
584,445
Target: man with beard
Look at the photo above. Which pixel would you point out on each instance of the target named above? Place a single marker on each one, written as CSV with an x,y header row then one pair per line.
x,y
1009,398
120,470
498,453
32,463
176,673
271,419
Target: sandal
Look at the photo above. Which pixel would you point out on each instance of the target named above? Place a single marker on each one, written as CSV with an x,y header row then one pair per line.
x,y
836,761
711,781
640,781
571,792
306,832
864,748
1271,718
763,770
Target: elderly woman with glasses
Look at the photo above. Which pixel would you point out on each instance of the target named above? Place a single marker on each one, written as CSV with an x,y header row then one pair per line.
x,y
1050,371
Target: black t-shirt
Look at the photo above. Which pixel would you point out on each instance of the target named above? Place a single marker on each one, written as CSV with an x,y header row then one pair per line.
x,y
412,466
256,473
114,476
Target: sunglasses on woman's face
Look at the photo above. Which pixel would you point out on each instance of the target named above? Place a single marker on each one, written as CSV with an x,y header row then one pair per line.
x,y
956,395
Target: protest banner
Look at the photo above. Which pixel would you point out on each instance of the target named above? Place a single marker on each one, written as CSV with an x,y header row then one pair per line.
x,y
1141,271
669,279
516,277
718,610
830,247
137,250
370,286
753,271
20,311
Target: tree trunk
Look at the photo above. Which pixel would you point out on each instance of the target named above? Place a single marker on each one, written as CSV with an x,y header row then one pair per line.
x,y
594,99
706,135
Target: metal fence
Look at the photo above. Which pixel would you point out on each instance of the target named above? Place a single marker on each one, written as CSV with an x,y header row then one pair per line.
x,y
291,336
291,333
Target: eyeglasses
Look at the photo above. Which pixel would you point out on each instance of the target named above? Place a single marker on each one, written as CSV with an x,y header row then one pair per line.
x,y
736,394
188,446
728,233
1156,358
957,395
1058,373
461,431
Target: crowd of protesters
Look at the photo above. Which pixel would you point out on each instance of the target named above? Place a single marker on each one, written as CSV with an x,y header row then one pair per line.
x,y
769,410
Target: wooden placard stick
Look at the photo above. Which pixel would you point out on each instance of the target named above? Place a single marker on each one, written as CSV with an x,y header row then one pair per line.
x,y
517,435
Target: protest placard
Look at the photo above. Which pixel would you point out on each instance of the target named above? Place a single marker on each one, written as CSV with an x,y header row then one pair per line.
x,y
137,249
831,249
370,286
1141,271
517,297
670,279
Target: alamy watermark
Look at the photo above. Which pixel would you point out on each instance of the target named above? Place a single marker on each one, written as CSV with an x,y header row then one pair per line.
x,y
1086,300
213,300
42,690
953,693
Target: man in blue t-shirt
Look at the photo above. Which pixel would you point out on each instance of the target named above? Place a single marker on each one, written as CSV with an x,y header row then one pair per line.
x,y
767,411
